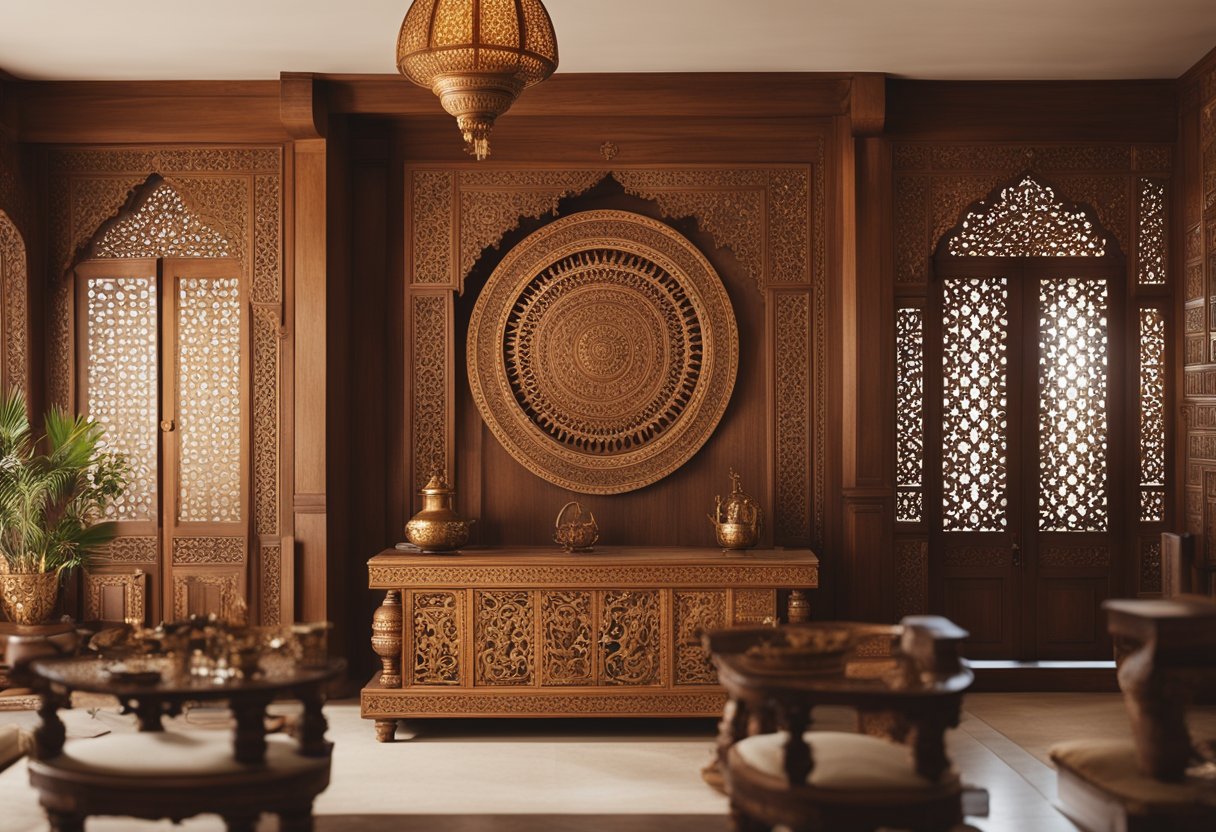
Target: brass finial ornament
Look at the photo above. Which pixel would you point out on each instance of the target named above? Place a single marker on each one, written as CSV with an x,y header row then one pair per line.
x,y
578,532
477,56
438,528
736,519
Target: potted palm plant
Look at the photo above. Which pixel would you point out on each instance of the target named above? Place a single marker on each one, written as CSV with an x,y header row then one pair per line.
x,y
54,491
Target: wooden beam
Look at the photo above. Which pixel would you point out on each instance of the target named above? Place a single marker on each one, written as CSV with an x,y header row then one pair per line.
x,y
149,111
868,103
1055,111
635,94
302,105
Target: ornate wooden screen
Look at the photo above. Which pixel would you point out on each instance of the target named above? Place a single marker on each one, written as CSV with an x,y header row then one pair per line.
x,y
14,324
1016,367
163,364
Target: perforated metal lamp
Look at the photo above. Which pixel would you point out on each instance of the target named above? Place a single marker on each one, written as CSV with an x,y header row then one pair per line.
x,y
477,56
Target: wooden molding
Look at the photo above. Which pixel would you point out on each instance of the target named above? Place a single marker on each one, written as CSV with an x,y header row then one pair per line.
x,y
868,103
149,111
302,105
634,94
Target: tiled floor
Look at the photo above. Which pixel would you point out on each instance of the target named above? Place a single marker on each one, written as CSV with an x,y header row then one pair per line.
x,y
636,775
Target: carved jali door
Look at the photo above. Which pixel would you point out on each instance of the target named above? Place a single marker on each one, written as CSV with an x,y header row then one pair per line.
x,y
162,364
1029,492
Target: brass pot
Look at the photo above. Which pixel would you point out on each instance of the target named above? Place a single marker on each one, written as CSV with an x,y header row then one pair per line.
x,y
29,598
437,528
737,519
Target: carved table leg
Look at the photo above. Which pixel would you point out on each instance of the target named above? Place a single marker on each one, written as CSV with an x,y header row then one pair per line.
x,y
1156,703
148,712
386,729
799,608
64,821
50,733
386,638
313,724
296,820
241,823
250,741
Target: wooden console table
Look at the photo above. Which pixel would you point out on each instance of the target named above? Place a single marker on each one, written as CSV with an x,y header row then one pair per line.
x,y
537,632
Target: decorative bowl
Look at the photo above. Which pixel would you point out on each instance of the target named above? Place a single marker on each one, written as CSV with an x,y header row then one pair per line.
x,y
817,650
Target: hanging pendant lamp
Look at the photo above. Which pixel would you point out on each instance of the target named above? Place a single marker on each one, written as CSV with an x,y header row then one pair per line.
x,y
477,56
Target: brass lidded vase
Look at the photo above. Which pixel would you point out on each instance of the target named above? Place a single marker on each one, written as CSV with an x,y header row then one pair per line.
x,y
736,520
438,528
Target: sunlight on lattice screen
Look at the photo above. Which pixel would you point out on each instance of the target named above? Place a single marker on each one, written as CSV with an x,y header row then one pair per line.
x,y
1027,221
121,382
1072,405
910,420
209,399
975,323
1152,415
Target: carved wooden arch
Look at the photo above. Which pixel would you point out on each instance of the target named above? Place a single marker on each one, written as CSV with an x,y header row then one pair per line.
x,y
14,281
1067,219
99,246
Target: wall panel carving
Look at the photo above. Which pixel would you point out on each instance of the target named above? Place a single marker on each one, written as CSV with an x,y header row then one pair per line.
x,y
754,606
911,577
99,590
14,280
429,333
199,550
772,218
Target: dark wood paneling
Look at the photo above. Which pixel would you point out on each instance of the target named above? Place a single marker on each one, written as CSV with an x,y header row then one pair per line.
x,y
1032,110
978,605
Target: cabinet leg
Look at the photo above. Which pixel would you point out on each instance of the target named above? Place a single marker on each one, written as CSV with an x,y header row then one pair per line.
x,y
65,821
386,729
241,823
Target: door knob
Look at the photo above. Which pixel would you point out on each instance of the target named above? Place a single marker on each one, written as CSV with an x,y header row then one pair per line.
x,y
167,425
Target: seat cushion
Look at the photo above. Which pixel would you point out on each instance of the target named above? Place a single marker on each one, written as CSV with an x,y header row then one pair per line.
x,y
842,761
175,754
1112,767
14,743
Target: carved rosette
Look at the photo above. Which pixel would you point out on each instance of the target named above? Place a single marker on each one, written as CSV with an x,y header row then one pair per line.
x,y
631,638
602,351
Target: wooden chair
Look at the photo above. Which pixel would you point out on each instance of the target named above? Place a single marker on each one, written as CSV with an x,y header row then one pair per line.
x,y
906,684
1167,657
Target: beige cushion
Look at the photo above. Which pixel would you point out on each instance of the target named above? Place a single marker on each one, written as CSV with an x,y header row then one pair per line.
x,y
174,754
846,762
14,743
1111,765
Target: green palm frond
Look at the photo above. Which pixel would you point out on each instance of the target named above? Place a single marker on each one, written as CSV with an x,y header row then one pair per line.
x,y
52,502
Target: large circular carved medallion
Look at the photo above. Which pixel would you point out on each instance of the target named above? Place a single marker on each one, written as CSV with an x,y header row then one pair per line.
x,y
602,351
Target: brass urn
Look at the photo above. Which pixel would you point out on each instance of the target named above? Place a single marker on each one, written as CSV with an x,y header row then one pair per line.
x,y
438,528
29,598
736,520
578,532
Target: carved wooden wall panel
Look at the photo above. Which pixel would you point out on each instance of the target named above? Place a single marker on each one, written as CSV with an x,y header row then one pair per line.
x,y
115,597
224,201
771,218
1199,342
14,326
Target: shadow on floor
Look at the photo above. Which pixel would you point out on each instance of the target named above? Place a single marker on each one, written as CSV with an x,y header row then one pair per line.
x,y
522,823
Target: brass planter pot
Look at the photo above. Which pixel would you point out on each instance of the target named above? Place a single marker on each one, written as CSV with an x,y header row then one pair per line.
x,y
29,598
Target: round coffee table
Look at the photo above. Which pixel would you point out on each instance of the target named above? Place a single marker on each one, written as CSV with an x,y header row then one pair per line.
x,y
157,774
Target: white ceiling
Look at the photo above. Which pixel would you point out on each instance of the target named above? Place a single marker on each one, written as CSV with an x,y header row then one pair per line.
x,y
945,39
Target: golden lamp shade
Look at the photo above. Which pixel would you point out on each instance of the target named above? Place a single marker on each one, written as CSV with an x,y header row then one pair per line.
x,y
477,56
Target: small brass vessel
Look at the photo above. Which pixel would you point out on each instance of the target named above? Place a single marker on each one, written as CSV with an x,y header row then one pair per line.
x,y
438,528
736,520
578,532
